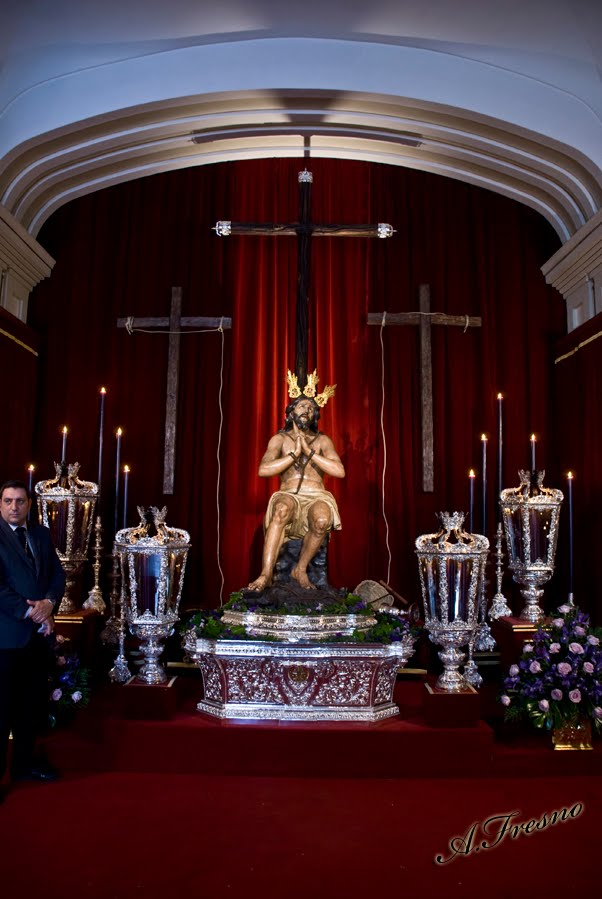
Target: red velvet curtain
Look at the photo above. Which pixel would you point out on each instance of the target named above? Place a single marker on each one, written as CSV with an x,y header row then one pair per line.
x,y
121,250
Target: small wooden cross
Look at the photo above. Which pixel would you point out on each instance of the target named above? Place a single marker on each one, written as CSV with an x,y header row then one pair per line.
x,y
175,323
425,319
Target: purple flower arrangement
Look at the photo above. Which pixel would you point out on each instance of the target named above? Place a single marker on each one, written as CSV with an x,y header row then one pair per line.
x,y
558,678
68,683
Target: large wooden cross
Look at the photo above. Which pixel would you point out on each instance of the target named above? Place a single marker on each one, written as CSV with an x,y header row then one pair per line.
x,y
425,319
304,229
176,323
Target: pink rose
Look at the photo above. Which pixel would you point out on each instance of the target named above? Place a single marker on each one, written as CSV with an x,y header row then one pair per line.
x,y
593,641
56,694
564,609
575,696
528,647
544,705
556,694
588,668
534,667
558,622
564,668
61,661
580,631
76,696
577,648
554,647
514,669
505,700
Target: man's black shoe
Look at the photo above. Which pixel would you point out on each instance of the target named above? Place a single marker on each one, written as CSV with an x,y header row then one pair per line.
x,y
44,774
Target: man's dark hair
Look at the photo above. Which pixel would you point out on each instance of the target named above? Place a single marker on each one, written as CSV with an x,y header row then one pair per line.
x,y
288,413
15,485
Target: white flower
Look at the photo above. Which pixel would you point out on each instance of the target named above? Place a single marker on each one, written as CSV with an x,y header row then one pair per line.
x,y
580,631
514,669
577,648
534,667
56,694
505,700
564,609
588,668
558,622
544,705
554,647
593,641
76,696
528,647
597,712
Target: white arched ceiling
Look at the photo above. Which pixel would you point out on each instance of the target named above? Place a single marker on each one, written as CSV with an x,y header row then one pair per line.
x,y
510,102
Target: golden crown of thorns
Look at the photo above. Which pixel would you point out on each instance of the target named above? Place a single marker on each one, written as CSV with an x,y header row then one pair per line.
x,y
294,391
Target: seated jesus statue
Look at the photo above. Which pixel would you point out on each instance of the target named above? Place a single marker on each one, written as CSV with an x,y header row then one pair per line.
x,y
301,455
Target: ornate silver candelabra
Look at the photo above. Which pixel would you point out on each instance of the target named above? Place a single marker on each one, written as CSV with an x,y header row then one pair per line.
x,y
66,506
153,560
530,513
451,565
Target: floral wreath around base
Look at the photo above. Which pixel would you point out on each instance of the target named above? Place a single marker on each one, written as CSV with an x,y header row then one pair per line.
x,y
558,678
69,683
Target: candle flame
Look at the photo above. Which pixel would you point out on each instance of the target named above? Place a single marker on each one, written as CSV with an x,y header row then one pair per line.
x,y
570,475
119,432
126,469
32,468
484,438
103,389
533,438
65,429
471,474
500,396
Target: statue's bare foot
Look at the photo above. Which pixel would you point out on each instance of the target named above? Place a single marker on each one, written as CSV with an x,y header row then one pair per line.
x,y
302,578
259,584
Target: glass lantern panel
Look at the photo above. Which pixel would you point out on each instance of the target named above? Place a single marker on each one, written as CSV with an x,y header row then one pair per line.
x,y
514,524
175,561
147,568
58,515
459,574
540,521
81,523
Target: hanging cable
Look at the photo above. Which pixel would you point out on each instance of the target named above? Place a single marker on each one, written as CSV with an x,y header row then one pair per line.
x,y
384,439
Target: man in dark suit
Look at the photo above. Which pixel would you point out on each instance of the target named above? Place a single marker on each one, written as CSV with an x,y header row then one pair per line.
x,y
32,583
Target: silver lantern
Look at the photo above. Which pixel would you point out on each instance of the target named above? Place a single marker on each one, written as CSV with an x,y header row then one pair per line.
x,y
66,506
530,513
153,560
451,565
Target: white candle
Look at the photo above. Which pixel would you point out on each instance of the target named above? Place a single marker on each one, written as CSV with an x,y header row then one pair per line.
x,y
533,440
569,478
500,444
64,447
471,477
484,482
126,478
31,470
103,393
117,474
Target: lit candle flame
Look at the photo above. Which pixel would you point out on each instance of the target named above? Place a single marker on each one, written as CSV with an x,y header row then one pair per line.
x,y
103,389
65,429
570,476
31,468
484,438
126,469
471,474
500,396
533,438
119,432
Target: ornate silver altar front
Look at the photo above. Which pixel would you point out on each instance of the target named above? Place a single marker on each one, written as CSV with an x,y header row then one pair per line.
x,y
153,562
298,681
530,513
66,506
298,628
451,565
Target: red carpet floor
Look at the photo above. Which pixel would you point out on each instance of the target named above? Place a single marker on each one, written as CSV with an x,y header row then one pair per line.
x,y
195,807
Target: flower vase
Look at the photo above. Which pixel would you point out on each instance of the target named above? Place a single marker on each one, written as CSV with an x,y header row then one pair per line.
x,y
573,735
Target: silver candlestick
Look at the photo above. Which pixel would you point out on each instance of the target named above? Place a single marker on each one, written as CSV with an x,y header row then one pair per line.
x,y
499,606
120,673
95,599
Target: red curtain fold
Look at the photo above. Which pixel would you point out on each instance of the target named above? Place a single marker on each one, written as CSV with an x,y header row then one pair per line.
x,y
121,250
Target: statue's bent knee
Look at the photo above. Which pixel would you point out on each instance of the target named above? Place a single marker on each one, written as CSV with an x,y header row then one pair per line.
x,y
320,518
282,512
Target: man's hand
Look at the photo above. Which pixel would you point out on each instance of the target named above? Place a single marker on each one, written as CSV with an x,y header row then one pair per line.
x,y
41,609
47,627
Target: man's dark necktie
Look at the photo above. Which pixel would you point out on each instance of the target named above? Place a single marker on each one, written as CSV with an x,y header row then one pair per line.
x,y
22,535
